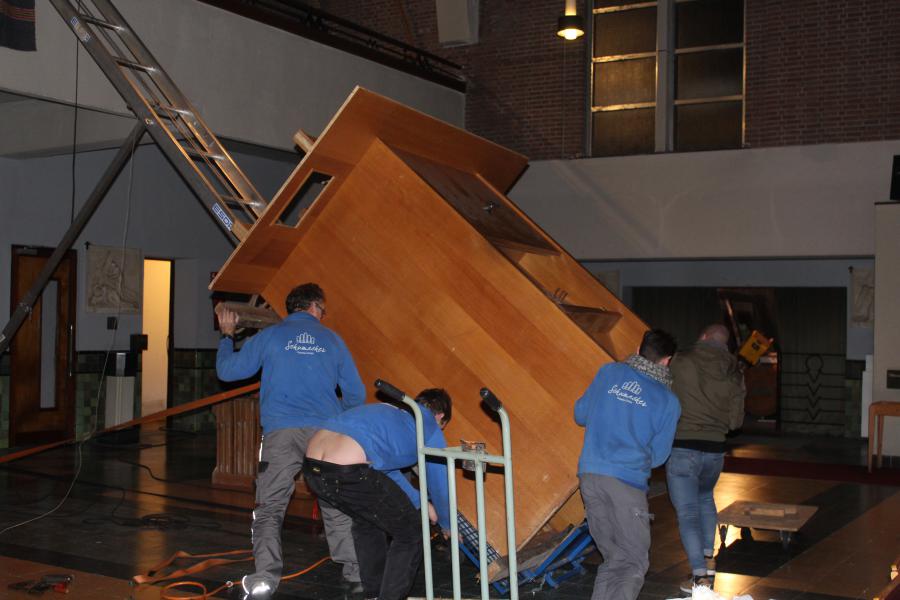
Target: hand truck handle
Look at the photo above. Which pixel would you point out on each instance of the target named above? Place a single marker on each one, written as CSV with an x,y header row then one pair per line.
x,y
491,400
389,390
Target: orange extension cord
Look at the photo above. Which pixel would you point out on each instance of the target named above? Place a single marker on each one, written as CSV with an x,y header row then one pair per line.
x,y
211,562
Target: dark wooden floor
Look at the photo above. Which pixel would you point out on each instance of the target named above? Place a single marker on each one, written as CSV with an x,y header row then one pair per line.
x,y
134,504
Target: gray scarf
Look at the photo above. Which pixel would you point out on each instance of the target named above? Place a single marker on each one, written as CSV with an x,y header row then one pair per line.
x,y
651,369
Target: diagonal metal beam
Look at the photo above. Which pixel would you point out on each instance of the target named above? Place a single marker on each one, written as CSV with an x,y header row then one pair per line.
x,y
23,308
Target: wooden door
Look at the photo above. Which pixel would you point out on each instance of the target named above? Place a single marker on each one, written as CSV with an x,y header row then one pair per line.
x,y
42,390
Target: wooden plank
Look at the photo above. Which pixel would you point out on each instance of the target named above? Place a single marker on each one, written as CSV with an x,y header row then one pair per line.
x,y
254,317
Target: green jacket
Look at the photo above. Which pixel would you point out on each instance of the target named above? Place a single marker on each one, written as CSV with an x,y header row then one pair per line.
x,y
710,387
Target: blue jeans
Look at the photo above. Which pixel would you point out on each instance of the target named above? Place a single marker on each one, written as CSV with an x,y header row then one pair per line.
x,y
691,476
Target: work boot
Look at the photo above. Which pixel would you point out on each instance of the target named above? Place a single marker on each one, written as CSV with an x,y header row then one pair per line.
x,y
697,580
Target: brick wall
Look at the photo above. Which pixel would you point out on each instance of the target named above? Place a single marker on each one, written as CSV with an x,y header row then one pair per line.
x,y
526,87
822,71
818,71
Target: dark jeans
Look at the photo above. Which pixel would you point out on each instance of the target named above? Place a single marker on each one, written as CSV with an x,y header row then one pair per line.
x,y
380,510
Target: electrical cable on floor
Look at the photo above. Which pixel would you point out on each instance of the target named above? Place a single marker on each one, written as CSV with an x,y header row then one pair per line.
x,y
204,594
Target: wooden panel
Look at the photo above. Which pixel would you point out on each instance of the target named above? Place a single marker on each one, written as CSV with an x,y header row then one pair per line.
x,y
366,116
480,205
562,272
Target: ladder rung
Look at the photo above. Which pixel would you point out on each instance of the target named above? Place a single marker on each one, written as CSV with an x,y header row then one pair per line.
x,y
100,22
136,66
234,200
201,154
172,109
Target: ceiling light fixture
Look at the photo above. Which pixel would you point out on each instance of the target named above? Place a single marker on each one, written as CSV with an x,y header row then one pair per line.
x,y
570,26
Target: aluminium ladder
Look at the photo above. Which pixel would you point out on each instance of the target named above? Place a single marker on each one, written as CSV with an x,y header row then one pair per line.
x,y
164,112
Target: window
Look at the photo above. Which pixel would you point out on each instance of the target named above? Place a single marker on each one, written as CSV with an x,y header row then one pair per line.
x,y
667,75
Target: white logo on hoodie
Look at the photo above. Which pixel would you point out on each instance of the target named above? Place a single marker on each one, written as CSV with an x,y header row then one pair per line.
x,y
630,392
304,344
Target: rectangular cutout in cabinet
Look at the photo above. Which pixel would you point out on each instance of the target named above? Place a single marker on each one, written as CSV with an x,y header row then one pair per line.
x,y
310,190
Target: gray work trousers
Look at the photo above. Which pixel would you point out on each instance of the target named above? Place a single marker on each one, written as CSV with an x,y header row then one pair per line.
x,y
620,525
280,460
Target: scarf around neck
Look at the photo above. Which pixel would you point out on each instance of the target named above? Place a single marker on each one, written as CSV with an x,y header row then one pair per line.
x,y
651,369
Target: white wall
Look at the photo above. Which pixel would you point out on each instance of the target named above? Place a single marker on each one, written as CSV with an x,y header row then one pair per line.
x,y
887,315
799,201
249,81
149,207
747,273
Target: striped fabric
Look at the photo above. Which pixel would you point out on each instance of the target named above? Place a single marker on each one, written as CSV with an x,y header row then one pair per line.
x,y
17,24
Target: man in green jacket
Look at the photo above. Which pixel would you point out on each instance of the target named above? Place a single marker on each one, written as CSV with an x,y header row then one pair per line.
x,y
710,387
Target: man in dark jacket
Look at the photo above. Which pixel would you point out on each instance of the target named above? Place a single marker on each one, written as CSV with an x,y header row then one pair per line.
x,y
710,387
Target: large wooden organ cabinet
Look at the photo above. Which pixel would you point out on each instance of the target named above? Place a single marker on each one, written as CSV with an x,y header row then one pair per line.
x,y
434,278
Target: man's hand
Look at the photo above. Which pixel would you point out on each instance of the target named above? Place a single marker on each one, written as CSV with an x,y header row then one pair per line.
x,y
227,321
432,514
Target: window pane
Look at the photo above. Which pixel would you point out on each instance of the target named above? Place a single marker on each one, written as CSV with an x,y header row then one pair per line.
x,y
49,337
623,132
625,82
712,126
709,74
709,22
625,32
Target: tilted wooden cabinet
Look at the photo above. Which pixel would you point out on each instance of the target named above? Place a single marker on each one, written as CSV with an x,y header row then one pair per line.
x,y
435,279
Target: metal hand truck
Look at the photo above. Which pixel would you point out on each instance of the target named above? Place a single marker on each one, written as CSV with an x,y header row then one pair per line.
x,y
480,460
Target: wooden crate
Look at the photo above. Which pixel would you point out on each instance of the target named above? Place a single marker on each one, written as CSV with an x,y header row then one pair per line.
x,y
435,278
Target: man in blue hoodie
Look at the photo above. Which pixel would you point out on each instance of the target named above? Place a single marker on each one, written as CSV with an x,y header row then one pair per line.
x,y
355,463
302,362
629,414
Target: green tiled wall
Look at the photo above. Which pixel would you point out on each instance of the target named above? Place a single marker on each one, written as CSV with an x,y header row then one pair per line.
x,y
193,377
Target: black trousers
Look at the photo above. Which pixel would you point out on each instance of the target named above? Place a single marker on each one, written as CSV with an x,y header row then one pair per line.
x,y
387,530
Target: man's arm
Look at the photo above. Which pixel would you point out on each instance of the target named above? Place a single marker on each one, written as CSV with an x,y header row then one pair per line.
x,y
353,391
739,392
436,470
231,365
583,404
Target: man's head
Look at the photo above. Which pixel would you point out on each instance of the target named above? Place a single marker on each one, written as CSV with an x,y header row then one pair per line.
x,y
307,297
658,346
715,333
438,401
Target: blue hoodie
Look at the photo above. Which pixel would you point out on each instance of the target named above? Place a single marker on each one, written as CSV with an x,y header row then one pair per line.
x,y
388,436
302,363
629,420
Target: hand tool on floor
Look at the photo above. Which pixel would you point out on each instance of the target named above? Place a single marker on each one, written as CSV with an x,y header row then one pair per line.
x,y
57,582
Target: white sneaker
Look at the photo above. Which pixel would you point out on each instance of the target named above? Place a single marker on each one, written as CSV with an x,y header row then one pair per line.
x,y
257,591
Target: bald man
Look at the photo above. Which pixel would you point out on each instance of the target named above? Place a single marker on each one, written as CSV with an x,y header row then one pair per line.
x,y
710,388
